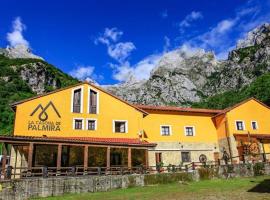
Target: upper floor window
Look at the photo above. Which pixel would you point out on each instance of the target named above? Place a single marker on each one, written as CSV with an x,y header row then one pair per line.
x,y
91,124
77,100
240,126
120,126
254,125
78,124
189,130
165,130
93,102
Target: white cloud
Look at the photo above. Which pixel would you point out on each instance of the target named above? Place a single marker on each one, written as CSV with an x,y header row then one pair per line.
x,y
221,37
82,72
109,35
191,17
139,71
121,51
16,37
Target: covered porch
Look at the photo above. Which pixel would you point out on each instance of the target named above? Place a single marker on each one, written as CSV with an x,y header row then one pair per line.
x,y
45,156
254,147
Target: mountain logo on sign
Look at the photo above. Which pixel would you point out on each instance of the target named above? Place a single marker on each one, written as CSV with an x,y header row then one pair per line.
x,y
43,115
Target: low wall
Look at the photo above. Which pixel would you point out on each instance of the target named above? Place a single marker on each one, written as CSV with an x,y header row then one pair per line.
x,y
44,187
22,189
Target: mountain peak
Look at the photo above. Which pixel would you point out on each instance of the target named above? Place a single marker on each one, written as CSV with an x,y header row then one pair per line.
x,y
19,51
254,37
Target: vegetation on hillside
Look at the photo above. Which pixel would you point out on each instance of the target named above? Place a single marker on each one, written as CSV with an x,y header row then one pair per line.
x,y
260,89
13,88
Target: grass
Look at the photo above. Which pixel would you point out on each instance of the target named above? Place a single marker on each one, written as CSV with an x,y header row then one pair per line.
x,y
257,188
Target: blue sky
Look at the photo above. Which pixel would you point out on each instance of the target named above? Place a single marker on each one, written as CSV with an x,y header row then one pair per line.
x,y
110,41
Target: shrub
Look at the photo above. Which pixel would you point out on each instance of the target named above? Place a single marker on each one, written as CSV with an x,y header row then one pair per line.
x,y
258,169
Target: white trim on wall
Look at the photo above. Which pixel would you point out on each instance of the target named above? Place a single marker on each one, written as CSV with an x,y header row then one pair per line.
x,y
72,94
244,126
194,131
86,124
170,129
116,120
73,123
88,99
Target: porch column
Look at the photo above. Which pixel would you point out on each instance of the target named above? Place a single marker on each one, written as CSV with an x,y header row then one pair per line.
x,y
146,158
264,157
85,160
4,162
129,157
59,157
30,155
108,157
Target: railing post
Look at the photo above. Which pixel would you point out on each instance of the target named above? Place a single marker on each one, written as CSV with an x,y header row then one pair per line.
x,y
193,166
243,158
99,171
9,172
73,170
44,171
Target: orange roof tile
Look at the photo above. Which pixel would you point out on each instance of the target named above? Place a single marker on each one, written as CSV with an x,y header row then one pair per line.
x,y
85,140
177,109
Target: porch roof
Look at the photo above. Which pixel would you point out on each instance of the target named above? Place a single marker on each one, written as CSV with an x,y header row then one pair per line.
x,y
252,135
79,140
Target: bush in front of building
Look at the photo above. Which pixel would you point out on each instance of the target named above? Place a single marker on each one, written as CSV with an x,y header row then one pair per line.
x,y
258,169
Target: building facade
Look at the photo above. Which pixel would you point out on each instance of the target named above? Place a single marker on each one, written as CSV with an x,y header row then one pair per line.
x,y
84,125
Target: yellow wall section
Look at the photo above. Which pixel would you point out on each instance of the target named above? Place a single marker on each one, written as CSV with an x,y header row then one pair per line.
x,y
247,112
204,127
110,109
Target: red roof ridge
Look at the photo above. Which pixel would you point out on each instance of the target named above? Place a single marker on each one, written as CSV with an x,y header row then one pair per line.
x,y
179,109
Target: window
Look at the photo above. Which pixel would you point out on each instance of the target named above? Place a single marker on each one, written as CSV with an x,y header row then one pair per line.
x,y
254,125
240,125
189,130
120,127
165,130
185,156
93,102
77,100
78,124
91,124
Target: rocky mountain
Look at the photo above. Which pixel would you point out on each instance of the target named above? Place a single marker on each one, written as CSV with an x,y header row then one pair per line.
x,y
182,78
22,78
19,51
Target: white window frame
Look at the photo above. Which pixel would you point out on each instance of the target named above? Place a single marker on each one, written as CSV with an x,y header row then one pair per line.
x,y
72,95
116,120
86,124
244,126
88,101
257,126
170,129
73,124
194,131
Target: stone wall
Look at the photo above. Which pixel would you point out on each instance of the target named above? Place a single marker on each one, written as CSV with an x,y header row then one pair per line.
x,y
171,151
22,189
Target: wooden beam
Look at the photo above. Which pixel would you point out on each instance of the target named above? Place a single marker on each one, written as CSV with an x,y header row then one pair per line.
x,y
129,158
59,156
4,161
85,160
30,155
108,157
146,158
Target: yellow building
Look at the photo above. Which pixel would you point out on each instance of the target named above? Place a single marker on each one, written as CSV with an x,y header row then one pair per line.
x,y
83,125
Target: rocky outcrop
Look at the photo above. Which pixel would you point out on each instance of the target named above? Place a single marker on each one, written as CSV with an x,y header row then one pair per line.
x,y
19,51
181,77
